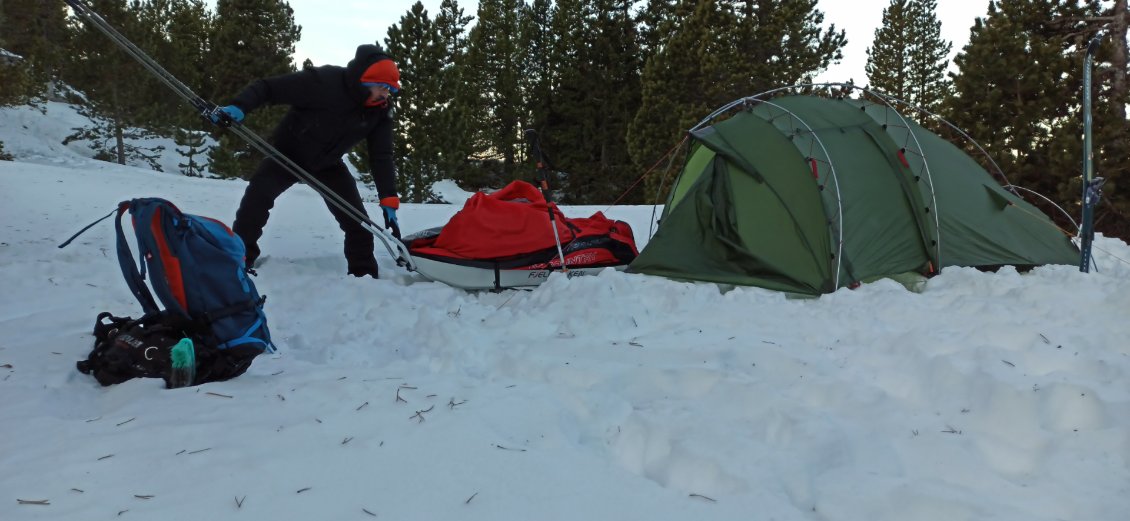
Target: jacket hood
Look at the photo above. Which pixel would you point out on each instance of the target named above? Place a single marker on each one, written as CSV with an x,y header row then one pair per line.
x,y
367,55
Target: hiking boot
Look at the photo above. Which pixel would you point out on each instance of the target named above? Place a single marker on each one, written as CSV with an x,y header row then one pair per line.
x,y
363,266
361,271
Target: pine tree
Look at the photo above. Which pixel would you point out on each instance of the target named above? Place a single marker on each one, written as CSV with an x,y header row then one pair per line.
x,y
1017,91
888,58
190,146
680,85
412,42
251,39
109,78
177,39
17,82
655,21
13,85
1111,126
908,58
452,120
492,70
1120,19
929,58
566,128
37,31
114,141
1111,61
777,43
123,101
721,50
432,142
539,71
596,102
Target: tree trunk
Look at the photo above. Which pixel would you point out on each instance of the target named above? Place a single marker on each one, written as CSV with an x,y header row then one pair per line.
x,y
1118,59
119,142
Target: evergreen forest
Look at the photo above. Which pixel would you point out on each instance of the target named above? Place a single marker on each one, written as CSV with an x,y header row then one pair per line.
x,y
610,86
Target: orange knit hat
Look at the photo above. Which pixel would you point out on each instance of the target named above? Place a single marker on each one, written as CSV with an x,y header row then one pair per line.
x,y
384,71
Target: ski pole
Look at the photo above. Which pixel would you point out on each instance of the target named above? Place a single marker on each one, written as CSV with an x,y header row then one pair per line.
x,y
1092,186
543,185
208,109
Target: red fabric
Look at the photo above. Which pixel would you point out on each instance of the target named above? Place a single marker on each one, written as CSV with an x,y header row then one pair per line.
x,y
391,202
168,260
510,222
598,224
384,71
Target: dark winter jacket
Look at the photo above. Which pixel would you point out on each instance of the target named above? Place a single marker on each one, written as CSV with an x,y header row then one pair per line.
x,y
328,116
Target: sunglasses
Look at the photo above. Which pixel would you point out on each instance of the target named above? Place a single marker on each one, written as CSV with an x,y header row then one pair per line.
x,y
386,86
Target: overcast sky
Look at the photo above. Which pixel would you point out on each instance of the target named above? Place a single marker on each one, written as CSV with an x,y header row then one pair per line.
x,y
331,31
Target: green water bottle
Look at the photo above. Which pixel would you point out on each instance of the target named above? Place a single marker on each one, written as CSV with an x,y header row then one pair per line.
x,y
183,358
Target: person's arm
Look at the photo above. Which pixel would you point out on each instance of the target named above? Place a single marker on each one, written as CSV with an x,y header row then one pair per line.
x,y
380,159
296,88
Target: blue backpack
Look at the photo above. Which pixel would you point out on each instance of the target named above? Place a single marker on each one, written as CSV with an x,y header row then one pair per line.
x,y
196,267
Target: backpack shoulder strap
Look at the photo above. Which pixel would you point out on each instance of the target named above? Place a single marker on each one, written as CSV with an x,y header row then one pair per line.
x,y
87,227
134,279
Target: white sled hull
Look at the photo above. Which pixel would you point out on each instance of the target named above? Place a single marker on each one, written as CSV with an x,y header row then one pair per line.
x,y
475,278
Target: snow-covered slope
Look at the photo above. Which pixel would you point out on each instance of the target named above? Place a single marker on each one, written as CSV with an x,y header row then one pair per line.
x,y
36,134
988,396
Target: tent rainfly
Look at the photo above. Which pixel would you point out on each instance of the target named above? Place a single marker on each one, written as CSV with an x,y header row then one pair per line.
x,y
808,195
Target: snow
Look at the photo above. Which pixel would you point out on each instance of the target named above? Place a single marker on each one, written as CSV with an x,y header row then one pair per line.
x,y
1001,396
36,134
449,192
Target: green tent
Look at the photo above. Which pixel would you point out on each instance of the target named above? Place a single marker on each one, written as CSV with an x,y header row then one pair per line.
x,y
807,195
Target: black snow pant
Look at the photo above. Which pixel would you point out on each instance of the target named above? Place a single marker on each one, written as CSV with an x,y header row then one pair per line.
x,y
271,180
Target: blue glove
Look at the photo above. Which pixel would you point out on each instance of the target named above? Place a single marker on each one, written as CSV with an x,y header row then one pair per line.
x,y
390,216
389,206
225,116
